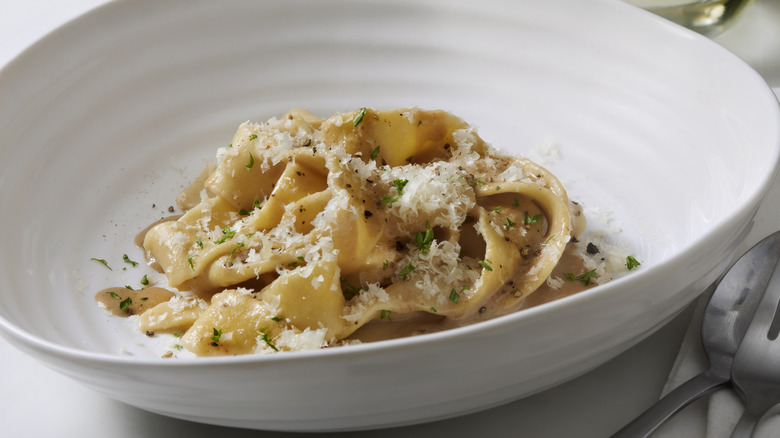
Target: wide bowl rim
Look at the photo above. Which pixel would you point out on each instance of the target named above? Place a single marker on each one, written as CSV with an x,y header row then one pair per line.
x,y
18,336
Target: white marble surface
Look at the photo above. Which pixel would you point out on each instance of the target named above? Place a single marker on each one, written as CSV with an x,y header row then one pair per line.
x,y
37,402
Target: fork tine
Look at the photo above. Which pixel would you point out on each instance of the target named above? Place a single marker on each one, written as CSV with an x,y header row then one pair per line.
x,y
755,371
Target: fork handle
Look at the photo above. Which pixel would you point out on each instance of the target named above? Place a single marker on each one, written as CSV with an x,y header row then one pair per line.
x,y
670,404
755,408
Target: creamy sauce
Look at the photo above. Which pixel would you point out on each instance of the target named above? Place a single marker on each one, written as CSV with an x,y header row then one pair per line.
x,y
121,301
400,326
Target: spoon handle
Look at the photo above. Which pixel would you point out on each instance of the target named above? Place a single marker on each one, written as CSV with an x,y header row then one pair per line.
x,y
670,404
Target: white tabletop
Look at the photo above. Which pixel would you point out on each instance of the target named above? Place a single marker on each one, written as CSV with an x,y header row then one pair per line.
x,y
37,402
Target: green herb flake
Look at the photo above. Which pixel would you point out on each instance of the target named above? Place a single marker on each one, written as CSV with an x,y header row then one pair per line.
x,y
385,265
243,212
351,289
128,261
359,117
385,315
177,334
216,335
257,203
405,271
251,161
199,243
177,346
227,233
276,319
433,309
528,219
145,280
125,303
424,240
485,264
632,263
409,158
497,209
454,296
253,137
129,287
232,253
399,187
192,263
583,278
103,262
516,202
265,338
509,224
375,153
115,295
144,298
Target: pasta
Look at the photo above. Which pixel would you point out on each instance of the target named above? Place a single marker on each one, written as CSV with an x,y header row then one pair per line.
x,y
308,230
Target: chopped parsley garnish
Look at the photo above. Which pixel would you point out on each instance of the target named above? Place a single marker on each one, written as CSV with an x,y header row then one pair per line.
x,y
424,240
359,117
351,289
276,319
528,219
375,152
405,271
509,224
232,253
583,278
227,233
192,264
409,158
177,346
399,187
145,280
125,303
516,202
631,262
433,309
243,212
216,335
454,296
129,287
199,243
251,161
257,203
103,262
485,264
265,338
144,298
385,265
497,209
253,137
115,295
127,260
177,334
480,182
385,315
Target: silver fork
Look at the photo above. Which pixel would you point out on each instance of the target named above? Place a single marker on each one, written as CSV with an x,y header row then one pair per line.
x,y
755,371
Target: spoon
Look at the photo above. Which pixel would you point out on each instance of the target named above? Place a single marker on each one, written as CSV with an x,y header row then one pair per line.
x,y
725,321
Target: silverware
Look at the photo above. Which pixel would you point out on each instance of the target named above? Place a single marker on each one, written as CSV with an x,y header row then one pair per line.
x,y
755,372
724,323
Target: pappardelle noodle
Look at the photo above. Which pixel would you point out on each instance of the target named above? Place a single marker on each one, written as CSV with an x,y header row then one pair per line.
x,y
306,230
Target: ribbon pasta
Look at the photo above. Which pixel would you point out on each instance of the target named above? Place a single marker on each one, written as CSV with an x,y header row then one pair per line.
x,y
309,229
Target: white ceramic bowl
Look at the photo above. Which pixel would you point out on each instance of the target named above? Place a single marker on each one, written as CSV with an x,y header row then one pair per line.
x,y
115,112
